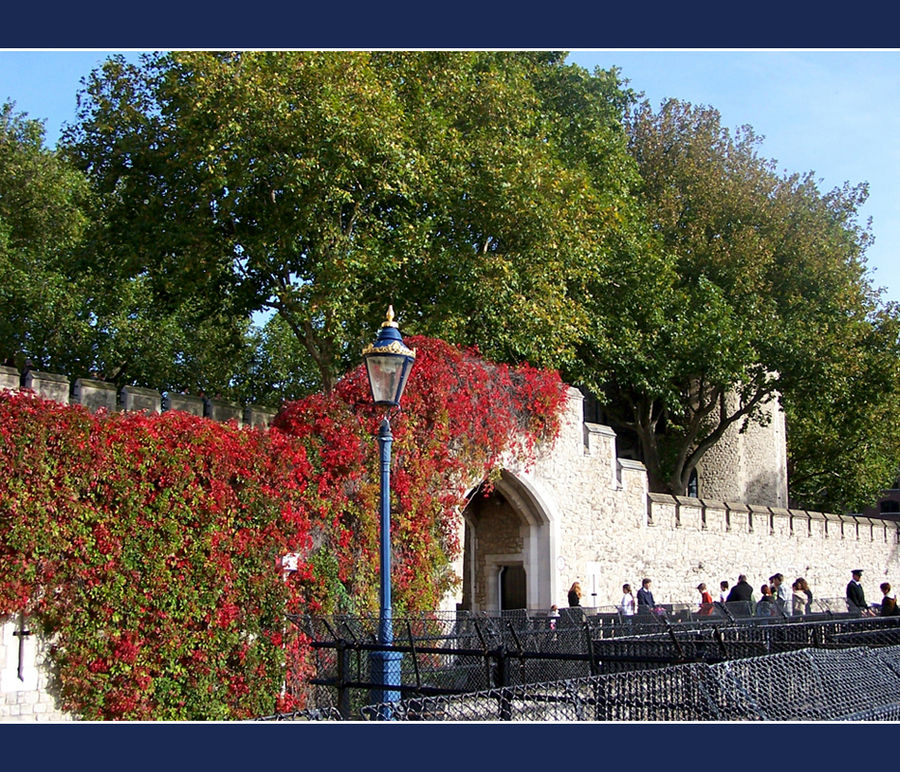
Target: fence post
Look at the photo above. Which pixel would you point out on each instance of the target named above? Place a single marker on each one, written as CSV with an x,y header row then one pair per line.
x,y
501,680
595,668
343,666
501,669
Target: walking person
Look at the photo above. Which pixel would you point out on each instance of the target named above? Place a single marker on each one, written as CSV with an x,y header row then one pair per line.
x,y
723,591
706,601
766,606
798,597
628,605
740,599
856,597
575,594
809,596
553,616
645,597
779,593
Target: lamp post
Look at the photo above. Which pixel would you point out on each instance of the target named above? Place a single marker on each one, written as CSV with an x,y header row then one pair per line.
x,y
388,364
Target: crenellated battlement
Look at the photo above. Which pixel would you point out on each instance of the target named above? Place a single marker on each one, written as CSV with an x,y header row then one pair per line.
x,y
681,512
100,395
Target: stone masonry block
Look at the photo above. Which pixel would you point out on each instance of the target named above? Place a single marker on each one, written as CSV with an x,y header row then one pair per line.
x,y
690,513
738,517
833,525
48,385
715,516
875,530
801,523
187,403
849,528
221,410
94,395
136,398
761,519
781,522
258,417
9,378
662,510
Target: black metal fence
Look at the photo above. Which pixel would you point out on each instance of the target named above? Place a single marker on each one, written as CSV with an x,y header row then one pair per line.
x,y
592,664
856,684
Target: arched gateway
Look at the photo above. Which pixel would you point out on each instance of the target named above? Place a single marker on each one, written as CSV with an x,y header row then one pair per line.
x,y
509,544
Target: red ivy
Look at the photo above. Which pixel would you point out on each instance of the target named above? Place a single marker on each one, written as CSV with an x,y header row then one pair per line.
x,y
149,548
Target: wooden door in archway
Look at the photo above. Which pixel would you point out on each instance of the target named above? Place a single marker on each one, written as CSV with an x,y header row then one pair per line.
x,y
513,594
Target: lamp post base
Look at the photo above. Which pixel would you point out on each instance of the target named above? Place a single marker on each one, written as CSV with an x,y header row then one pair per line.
x,y
384,668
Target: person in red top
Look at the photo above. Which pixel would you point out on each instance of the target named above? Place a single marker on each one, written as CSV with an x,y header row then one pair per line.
x,y
706,601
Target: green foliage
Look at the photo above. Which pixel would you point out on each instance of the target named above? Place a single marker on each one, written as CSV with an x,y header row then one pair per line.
x,y
276,368
70,313
42,218
756,287
843,423
504,200
326,185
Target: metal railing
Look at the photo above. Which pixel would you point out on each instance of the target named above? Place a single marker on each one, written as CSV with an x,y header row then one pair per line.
x,y
448,655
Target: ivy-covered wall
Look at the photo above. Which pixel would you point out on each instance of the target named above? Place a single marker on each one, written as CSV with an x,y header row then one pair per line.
x,y
146,549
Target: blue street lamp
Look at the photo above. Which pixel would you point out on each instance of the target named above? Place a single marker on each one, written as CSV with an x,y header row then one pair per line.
x,y
388,363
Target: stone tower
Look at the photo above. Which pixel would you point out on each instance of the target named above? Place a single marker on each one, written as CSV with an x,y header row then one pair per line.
x,y
749,464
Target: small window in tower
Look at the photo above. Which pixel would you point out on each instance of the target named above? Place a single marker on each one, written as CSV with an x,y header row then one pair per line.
x,y
693,486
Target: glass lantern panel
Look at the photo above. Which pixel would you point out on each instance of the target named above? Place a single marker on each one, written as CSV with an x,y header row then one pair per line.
x,y
386,377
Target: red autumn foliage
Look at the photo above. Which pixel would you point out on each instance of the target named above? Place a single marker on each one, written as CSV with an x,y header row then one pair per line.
x,y
148,548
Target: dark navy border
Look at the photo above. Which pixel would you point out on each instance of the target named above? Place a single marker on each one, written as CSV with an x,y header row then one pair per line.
x,y
458,24
275,746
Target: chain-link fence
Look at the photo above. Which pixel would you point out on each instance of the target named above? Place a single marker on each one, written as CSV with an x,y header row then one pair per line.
x,y
591,664
810,685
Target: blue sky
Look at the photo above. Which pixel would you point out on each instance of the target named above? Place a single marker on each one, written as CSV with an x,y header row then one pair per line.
x,y
835,113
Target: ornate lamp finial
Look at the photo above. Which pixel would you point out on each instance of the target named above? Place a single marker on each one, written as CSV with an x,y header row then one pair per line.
x,y
390,318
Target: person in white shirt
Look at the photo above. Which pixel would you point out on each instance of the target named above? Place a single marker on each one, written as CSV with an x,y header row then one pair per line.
x,y
723,594
553,615
628,605
798,597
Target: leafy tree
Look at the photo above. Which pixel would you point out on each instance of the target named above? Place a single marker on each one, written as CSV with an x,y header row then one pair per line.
x,y
71,315
504,200
278,369
843,424
759,291
471,189
42,218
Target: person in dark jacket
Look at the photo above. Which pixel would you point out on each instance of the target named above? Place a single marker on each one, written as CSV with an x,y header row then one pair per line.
x,y
645,597
740,599
742,591
575,594
889,606
856,597
766,606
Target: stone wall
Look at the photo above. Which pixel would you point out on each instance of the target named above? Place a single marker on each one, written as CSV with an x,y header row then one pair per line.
x,y
603,528
749,463
577,513
25,693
